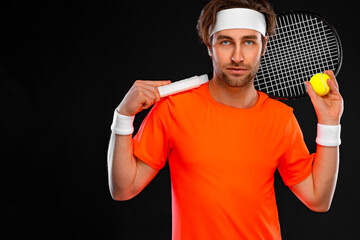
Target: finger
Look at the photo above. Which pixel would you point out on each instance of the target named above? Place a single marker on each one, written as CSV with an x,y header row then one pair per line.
x,y
333,88
331,74
153,90
157,83
150,93
151,86
147,100
310,90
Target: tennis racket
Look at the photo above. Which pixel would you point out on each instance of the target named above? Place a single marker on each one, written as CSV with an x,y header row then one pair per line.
x,y
303,44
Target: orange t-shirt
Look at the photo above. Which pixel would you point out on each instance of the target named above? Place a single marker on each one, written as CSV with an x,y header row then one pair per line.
x,y
222,162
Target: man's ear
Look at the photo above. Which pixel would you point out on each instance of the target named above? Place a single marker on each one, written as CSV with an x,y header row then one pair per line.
x,y
264,46
209,51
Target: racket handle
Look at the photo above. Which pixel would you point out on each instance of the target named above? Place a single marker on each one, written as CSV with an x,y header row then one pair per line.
x,y
182,85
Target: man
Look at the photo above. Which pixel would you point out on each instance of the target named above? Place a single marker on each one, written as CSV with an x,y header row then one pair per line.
x,y
224,140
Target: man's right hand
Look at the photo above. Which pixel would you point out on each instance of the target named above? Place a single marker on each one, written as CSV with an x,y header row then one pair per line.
x,y
142,95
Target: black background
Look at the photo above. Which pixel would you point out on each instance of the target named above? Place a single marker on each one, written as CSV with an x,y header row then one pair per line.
x,y
66,65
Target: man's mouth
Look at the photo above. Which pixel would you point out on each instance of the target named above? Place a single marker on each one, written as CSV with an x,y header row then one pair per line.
x,y
236,70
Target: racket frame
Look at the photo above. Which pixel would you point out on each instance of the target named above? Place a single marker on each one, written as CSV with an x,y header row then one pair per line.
x,y
339,50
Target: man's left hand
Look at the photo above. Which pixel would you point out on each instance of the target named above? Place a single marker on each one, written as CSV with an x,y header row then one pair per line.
x,y
328,108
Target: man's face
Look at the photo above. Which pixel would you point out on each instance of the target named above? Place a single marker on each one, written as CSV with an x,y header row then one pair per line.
x,y
236,55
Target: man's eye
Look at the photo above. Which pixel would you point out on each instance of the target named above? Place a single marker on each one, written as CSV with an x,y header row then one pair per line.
x,y
225,42
249,42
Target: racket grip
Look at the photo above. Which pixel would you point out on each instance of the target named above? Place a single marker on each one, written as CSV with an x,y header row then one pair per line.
x,y
182,85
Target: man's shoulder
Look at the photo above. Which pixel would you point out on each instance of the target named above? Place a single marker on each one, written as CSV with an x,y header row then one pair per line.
x,y
275,105
189,97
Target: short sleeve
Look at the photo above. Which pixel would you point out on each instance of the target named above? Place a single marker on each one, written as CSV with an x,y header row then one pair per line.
x,y
151,143
296,164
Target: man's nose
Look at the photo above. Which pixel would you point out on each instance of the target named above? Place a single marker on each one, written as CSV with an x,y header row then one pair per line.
x,y
237,56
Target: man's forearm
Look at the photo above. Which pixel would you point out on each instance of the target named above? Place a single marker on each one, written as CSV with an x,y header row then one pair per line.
x,y
325,172
317,190
121,164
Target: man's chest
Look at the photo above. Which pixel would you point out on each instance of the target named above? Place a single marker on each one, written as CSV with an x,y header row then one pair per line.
x,y
226,145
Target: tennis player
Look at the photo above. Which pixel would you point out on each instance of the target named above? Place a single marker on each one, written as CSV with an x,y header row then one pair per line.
x,y
224,140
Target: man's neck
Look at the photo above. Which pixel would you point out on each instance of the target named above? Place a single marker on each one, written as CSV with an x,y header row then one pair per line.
x,y
237,97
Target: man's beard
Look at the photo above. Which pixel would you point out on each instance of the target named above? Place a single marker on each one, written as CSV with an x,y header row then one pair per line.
x,y
237,80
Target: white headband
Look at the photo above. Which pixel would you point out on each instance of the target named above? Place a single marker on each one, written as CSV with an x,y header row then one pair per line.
x,y
240,18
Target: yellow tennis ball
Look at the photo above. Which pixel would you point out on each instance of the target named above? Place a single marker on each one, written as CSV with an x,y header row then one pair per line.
x,y
319,84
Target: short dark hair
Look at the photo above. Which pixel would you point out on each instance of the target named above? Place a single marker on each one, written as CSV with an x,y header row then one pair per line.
x,y
207,17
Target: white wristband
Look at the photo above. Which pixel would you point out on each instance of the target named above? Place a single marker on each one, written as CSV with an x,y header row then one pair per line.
x,y
328,135
122,125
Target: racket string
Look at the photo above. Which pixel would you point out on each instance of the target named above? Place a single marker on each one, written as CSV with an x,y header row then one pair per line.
x,y
297,84
292,38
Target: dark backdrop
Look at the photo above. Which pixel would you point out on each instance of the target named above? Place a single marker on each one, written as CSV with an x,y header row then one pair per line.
x,y
65,66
